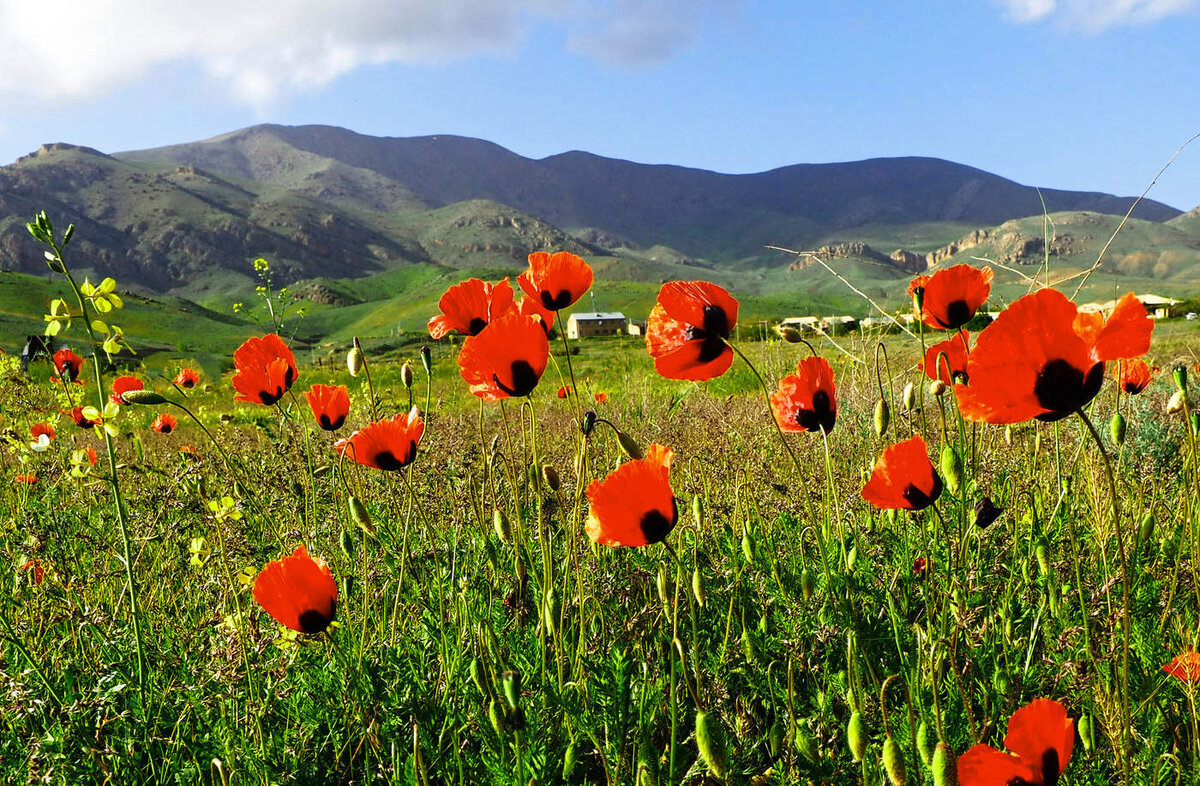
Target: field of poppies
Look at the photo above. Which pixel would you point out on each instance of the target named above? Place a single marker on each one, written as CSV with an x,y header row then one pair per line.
x,y
933,556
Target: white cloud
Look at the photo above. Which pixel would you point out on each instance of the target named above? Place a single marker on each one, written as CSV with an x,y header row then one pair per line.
x,y
639,32
1097,15
261,48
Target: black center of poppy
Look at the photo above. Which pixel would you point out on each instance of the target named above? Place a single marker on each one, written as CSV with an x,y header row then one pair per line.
x,y
476,326
525,379
918,499
716,321
315,621
958,313
386,459
655,526
986,512
1063,389
165,428
1050,769
289,377
821,416
269,398
556,302
325,422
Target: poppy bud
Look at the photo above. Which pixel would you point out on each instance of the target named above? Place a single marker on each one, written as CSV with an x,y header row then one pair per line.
x,y
883,417
1196,422
1116,429
1085,732
856,736
945,766
1042,557
893,762
1179,374
647,764
910,396
710,739
550,475
501,525
570,759
806,746
551,611
851,557
629,446
496,716
806,584
148,397
924,744
426,360
346,544
587,423
479,676
952,467
406,375
1000,680
511,682
698,587
1176,403
937,388
1008,435
748,648
1146,529
790,334
664,590
749,549
354,359
918,296
697,511
359,514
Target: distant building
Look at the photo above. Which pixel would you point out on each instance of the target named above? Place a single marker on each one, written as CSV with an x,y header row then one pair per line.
x,y
636,327
803,324
596,323
842,324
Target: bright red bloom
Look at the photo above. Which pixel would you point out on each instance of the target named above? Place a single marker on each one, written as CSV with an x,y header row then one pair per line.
x,y
903,478
950,354
80,419
68,365
1135,376
951,297
39,429
330,405
920,566
564,391
505,360
389,444
1043,358
1184,667
27,480
121,386
37,571
634,505
90,454
190,452
187,378
555,280
601,398
687,328
1041,738
806,400
266,370
471,306
164,424
298,592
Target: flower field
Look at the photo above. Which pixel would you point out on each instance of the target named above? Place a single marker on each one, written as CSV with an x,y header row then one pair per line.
x,y
941,555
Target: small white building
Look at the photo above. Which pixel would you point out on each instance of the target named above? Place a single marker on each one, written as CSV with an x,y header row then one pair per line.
x,y
596,323
803,324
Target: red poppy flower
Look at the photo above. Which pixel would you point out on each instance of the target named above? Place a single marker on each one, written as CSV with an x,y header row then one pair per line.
x,y
555,280
68,365
1044,359
903,478
950,297
505,360
121,386
951,354
39,429
806,400
564,391
90,455
469,307
298,592
389,444
687,328
530,307
80,419
187,378
601,398
1040,736
1184,667
26,480
1135,376
266,370
330,405
189,451
164,424
920,566
634,505
36,569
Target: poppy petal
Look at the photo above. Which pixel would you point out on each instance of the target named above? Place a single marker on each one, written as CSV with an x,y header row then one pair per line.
x,y
298,592
634,505
983,765
1126,334
1043,736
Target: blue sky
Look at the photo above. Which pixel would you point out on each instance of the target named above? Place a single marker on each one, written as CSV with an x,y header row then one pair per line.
x,y
1078,94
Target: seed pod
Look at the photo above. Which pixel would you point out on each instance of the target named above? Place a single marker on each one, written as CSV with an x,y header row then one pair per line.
x,y
924,744
893,762
1085,732
354,359
406,375
346,543
1116,429
1146,528
806,584
501,525
629,446
570,759
883,417
937,388
510,681
698,587
789,334
479,676
856,736
710,739
945,766
550,475
1175,404
952,468
360,515
805,745
697,511
1179,374
148,397
426,360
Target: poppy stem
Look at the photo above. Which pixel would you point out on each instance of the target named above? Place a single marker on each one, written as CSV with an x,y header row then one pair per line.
x,y
574,392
